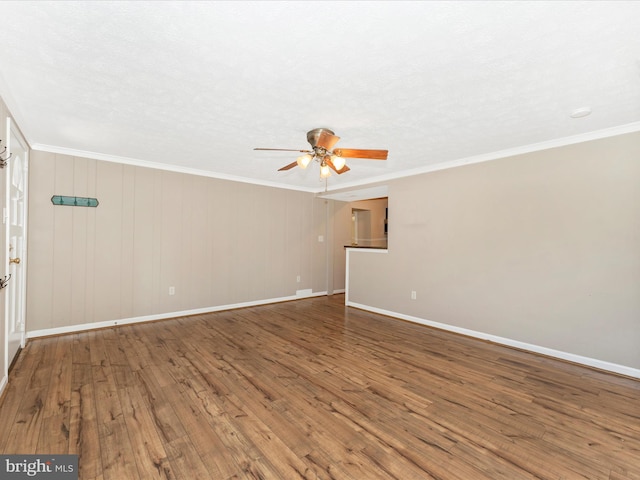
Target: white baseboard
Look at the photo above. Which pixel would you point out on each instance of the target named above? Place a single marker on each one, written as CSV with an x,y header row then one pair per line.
x,y
164,316
570,357
3,384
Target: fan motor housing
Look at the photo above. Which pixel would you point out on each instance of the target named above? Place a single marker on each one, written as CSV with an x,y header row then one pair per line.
x,y
312,135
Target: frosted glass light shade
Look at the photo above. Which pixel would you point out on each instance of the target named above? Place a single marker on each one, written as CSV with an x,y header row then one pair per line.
x,y
304,160
338,162
325,171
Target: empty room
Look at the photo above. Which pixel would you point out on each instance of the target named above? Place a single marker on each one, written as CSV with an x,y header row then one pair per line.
x,y
320,240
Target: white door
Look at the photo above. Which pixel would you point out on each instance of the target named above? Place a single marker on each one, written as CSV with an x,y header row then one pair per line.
x,y
16,230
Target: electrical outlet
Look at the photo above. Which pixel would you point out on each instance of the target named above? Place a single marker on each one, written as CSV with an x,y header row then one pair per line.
x,y
172,290
298,279
320,238
413,295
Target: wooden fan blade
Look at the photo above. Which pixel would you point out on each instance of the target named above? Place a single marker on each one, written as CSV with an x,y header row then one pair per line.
x,y
288,167
326,140
283,150
333,167
359,153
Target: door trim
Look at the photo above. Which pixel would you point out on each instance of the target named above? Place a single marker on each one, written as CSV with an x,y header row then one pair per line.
x,y
14,131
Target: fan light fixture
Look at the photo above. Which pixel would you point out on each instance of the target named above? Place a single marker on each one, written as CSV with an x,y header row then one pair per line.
x,y
325,171
338,162
304,161
325,161
322,141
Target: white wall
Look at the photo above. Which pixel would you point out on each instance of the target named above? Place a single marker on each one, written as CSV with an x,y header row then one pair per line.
x,y
542,249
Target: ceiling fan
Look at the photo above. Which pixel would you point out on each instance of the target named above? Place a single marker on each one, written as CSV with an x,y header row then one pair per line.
x,y
322,141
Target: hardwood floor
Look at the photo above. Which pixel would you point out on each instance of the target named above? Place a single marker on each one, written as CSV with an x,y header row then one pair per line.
x,y
312,389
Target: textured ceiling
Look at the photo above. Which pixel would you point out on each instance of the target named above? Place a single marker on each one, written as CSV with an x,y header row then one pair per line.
x,y
198,85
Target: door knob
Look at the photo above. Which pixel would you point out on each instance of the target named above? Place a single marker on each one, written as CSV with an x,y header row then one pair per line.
x,y
14,260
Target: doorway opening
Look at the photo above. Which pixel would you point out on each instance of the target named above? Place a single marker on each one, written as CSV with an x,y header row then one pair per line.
x,y
361,227
369,223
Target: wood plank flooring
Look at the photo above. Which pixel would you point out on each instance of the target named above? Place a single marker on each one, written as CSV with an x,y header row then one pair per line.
x,y
311,389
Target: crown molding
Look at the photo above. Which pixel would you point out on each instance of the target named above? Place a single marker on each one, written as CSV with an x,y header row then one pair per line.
x,y
162,166
510,152
485,157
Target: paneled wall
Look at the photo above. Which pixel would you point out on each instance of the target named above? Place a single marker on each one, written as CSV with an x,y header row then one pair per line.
x,y
216,242
542,248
